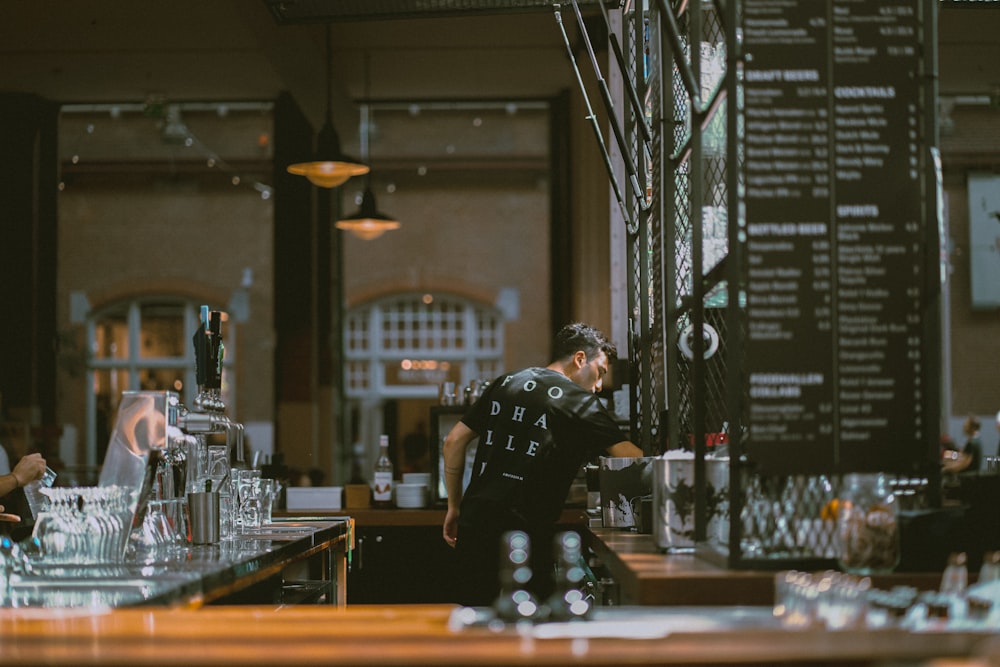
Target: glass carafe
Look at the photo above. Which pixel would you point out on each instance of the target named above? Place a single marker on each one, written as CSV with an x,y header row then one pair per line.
x,y
867,525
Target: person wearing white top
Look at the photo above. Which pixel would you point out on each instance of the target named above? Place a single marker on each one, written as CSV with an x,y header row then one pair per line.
x,y
27,470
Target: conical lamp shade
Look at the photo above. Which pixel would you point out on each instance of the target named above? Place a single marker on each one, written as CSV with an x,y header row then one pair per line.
x,y
367,223
331,167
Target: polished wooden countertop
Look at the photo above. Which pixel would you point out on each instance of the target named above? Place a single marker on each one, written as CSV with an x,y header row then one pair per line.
x,y
418,635
647,576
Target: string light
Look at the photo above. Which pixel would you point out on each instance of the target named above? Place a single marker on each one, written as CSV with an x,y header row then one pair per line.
x,y
176,132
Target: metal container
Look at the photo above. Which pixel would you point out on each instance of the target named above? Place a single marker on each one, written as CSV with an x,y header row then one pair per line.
x,y
674,500
624,482
204,509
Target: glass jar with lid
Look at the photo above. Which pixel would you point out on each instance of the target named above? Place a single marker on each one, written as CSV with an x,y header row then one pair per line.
x,y
867,525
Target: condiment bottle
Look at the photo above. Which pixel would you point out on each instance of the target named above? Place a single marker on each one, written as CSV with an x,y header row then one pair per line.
x,y
382,482
956,575
990,570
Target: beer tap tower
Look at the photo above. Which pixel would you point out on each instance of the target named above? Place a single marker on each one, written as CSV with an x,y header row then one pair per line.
x,y
158,446
208,414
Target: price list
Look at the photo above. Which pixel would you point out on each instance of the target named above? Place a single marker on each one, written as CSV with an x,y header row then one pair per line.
x,y
835,238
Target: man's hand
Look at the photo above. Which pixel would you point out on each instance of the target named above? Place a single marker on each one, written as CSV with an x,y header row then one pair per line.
x,y
450,530
29,468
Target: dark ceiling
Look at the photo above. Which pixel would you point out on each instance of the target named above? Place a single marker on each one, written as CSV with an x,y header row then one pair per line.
x,y
100,51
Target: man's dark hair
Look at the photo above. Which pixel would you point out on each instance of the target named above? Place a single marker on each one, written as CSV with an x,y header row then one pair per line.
x,y
579,336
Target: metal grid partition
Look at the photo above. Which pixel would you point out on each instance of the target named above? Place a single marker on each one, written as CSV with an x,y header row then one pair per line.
x,y
687,233
646,350
683,141
694,247
631,130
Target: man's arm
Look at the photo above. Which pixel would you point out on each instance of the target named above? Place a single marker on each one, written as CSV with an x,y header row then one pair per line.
x,y
453,454
958,464
28,469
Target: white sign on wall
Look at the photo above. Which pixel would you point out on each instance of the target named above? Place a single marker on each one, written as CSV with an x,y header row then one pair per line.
x,y
984,239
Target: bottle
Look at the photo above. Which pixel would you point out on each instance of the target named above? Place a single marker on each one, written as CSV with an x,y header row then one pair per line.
x,y
956,575
382,483
990,571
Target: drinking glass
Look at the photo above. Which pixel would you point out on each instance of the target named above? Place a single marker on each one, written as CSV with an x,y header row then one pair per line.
x,y
113,503
250,500
448,396
234,485
157,532
48,535
179,519
228,513
218,466
33,491
269,490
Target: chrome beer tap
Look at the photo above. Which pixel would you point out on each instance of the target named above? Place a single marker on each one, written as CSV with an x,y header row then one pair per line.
x,y
208,414
158,448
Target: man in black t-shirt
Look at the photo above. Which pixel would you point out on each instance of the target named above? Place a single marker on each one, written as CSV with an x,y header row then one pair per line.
x,y
969,458
536,427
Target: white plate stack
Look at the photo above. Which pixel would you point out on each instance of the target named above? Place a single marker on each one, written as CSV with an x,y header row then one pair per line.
x,y
410,495
417,478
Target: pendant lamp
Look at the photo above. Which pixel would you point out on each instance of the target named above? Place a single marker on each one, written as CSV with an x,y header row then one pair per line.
x,y
331,167
367,222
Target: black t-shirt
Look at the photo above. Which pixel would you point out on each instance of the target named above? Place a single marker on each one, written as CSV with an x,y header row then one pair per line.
x,y
975,451
536,428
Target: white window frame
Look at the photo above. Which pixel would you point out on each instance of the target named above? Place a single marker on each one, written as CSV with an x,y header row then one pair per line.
x,y
364,376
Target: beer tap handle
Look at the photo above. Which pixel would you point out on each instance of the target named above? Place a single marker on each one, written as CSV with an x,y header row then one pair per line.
x,y
200,341
215,350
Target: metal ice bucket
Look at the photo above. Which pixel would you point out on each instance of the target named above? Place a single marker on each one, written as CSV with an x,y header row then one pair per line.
x,y
674,500
624,481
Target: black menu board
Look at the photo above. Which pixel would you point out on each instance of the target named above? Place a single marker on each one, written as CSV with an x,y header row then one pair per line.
x,y
835,240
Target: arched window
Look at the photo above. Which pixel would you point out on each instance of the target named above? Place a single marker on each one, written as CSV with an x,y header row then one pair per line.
x,y
406,345
143,344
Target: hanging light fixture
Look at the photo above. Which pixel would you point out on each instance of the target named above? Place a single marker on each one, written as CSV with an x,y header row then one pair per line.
x,y
331,167
367,222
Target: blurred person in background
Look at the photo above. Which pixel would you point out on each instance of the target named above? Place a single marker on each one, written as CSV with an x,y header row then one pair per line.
x,y
30,468
967,460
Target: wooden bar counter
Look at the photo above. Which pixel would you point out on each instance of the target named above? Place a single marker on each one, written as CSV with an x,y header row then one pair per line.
x,y
417,635
676,632
647,576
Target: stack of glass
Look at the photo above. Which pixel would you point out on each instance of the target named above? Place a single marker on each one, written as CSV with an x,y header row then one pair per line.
x,y
83,525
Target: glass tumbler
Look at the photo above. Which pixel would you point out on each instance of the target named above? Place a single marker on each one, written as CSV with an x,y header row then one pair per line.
x,y
32,490
269,489
250,500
